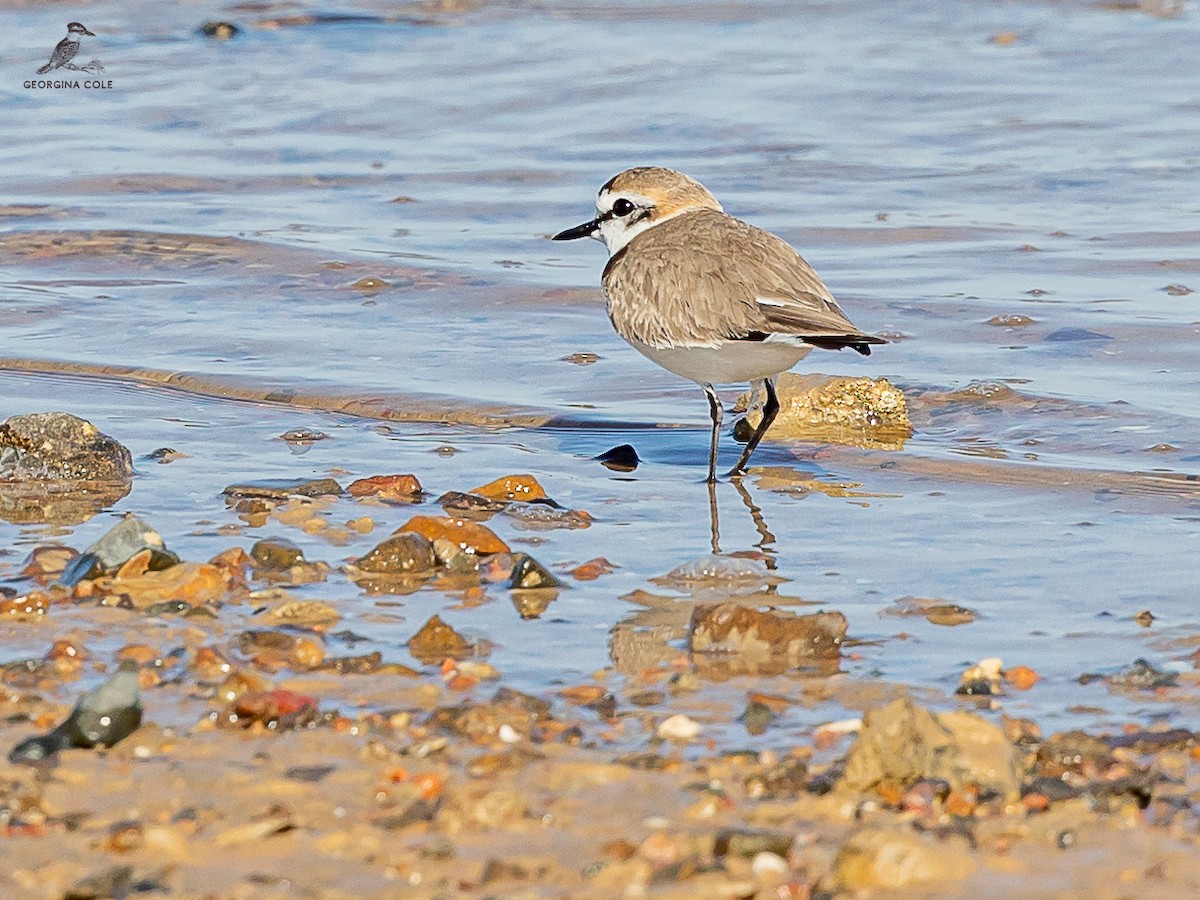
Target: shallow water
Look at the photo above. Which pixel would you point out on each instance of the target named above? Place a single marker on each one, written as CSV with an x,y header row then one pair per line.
x,y
193,259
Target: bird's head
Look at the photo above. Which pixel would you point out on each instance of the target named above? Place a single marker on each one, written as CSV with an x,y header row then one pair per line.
x,y
638,199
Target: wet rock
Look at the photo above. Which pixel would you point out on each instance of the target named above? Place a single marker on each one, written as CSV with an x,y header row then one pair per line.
x,y
1139,676
529,574
60,447
274,650
508,710
470,537
982,679
622,458
592,569
936,612
862,412
116,547
874,859
470,505
102,717
192,583
436,641
785,780
280,489
274,710
46,563
757,638
220,31
303,436
407,553
512,487
1074,755
389,488
276,553
29,607
903,743
115,881
311,615
678,728
757,717
1011,321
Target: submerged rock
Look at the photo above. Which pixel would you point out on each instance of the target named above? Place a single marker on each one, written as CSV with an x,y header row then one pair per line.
x,y
56,467
281,489
861,412
757,638
102,717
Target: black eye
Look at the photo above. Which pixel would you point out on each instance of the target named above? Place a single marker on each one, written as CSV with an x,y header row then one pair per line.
x,y
623,207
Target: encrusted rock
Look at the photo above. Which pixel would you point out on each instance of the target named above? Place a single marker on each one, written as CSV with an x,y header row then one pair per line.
x,y
863,412
56,467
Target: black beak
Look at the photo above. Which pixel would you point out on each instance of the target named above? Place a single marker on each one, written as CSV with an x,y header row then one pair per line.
x,y
587,229
85,31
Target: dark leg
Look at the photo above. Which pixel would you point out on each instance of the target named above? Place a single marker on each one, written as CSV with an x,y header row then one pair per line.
x,y
769,411
716,411
713,518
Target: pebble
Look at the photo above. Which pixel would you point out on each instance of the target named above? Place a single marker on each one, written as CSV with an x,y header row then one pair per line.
x,y
678,728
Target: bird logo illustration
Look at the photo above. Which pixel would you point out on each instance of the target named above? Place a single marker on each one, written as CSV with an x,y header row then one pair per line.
x,y
66,50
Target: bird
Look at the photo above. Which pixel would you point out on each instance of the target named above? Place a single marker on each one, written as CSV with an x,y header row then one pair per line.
x,y
708,296
66,49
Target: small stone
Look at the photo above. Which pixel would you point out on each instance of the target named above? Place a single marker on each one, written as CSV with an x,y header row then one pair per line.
x,y
276,553
1177,290
220,31
390,488
274,650
733,629
529,574
512,487
280,489
276,710
622,458
936,612
436,641
678,728
303,436
592,569
407,553
469,536
1022,677
471,505
757,716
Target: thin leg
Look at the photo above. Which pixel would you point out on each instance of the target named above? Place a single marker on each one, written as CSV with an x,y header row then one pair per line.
x,y
770,410
713,518
716,411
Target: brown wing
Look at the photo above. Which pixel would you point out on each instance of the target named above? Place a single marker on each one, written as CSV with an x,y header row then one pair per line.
x,y
704,277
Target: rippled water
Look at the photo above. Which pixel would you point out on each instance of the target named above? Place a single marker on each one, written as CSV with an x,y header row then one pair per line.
x,y
348,214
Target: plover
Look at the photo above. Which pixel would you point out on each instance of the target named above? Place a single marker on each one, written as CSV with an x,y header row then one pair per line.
x,y
707,296
66,49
